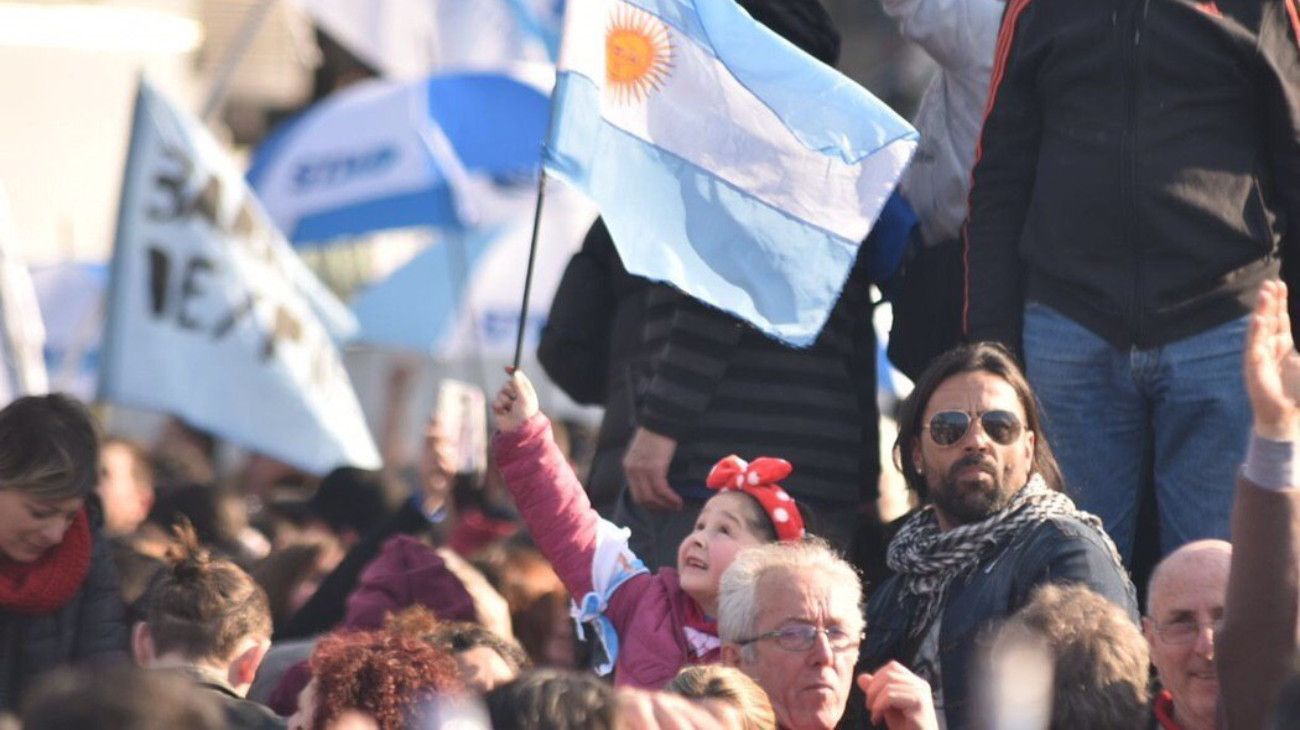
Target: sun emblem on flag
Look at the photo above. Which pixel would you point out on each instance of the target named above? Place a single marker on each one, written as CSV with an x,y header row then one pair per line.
x,y
638,54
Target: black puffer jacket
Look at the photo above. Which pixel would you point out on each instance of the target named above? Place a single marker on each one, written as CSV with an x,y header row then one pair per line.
x,y
1060,550
91,625
1139,167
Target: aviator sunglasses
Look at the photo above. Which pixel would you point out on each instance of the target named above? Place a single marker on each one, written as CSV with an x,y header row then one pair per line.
x,y
948,427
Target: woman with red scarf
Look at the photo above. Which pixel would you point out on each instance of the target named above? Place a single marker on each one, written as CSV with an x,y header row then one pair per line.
x,y
59,597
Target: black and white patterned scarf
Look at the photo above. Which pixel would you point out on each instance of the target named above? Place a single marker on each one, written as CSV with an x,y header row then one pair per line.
x,y
927,560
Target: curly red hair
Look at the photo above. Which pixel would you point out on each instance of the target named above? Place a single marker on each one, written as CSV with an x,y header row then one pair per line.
x,y
379,673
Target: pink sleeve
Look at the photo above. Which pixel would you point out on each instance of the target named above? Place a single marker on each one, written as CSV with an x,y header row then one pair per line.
x,y
550,499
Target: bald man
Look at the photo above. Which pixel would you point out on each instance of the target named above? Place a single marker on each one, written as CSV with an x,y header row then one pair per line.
x,y
1184,612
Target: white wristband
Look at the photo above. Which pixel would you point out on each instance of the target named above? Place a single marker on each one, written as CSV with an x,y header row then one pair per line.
x,y
1271,464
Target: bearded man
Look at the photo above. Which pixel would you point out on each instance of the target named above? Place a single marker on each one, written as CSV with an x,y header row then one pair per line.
x,y
996,525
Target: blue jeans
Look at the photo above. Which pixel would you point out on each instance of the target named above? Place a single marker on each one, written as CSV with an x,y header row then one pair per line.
x,y
1119,419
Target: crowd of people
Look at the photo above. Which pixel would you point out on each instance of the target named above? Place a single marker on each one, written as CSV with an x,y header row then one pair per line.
x,y
1091,304
1008,606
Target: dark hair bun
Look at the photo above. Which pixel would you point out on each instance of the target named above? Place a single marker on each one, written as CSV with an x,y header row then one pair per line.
x,y
189,560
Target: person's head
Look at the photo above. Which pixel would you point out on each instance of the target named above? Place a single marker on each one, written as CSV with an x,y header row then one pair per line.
x,y
349,502
438,457
539,604
204,612
790,616
290,576
484,659
136,572
49,454
751,509
552,699
132,699
715,681
970,435
380,673
1098,660
125,485
1184,607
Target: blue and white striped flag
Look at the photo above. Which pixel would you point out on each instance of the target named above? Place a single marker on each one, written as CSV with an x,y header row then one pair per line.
x,y
723,159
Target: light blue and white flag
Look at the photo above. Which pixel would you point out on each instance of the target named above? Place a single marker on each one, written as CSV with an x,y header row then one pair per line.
x,y
723,159
211,315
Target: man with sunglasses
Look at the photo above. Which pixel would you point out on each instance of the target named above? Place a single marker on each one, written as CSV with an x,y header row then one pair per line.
x,y
994,526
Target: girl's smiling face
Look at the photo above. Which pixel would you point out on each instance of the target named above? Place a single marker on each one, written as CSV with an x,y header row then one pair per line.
x,y
728,523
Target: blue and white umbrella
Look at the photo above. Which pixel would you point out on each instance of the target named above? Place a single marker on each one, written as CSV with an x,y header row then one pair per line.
x,y
459,297
384,154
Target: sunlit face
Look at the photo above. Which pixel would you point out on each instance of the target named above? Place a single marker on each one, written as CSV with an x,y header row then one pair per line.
x,y
29,527
1186,602
975,477
721,531
437,460
126,501
808,689
482,669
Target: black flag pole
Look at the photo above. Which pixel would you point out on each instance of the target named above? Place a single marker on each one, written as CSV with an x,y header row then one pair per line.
x,y
528,276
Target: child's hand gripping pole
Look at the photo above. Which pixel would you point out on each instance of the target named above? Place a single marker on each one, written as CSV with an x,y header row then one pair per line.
x,y
515,403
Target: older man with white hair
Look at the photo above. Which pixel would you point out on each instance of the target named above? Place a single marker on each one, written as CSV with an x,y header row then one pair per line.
x,y
790,616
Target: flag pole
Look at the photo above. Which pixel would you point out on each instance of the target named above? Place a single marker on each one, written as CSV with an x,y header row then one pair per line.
x,y
541,194
248,29
532,259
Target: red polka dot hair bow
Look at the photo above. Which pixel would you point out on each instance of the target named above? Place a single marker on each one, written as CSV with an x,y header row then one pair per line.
x,y
759,480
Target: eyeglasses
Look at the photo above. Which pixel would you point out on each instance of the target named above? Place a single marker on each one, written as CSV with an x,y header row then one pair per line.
x,y
948,427
801,637
1184,632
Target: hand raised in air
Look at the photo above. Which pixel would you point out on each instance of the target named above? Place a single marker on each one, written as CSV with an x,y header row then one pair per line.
x,y
515,403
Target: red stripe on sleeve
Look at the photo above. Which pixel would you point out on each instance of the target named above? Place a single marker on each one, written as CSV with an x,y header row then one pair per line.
x,y
1295,18
1001,52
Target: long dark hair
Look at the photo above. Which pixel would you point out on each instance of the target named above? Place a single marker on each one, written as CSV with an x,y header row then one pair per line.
x,y
985,357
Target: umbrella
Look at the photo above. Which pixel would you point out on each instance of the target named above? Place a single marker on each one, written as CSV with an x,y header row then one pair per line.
x,y
440,152
459,297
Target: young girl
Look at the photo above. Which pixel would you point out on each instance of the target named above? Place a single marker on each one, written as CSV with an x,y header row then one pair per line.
x,y
664,620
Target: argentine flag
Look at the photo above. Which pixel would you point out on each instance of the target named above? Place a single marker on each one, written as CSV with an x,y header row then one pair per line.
x,y
724,160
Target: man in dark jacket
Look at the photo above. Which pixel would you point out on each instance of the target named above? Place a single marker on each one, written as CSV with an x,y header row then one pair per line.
x,y
1138,177
996,525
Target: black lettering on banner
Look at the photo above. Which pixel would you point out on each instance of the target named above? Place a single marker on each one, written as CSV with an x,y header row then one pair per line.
x,y
171,181
159,268
191,289
285,327
182,286
208,202
242,310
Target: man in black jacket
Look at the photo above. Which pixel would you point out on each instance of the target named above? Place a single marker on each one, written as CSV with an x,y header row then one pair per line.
x,y
995,527
1138,177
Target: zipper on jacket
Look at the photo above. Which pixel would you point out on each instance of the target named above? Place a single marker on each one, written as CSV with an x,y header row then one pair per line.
x,y
1132,44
